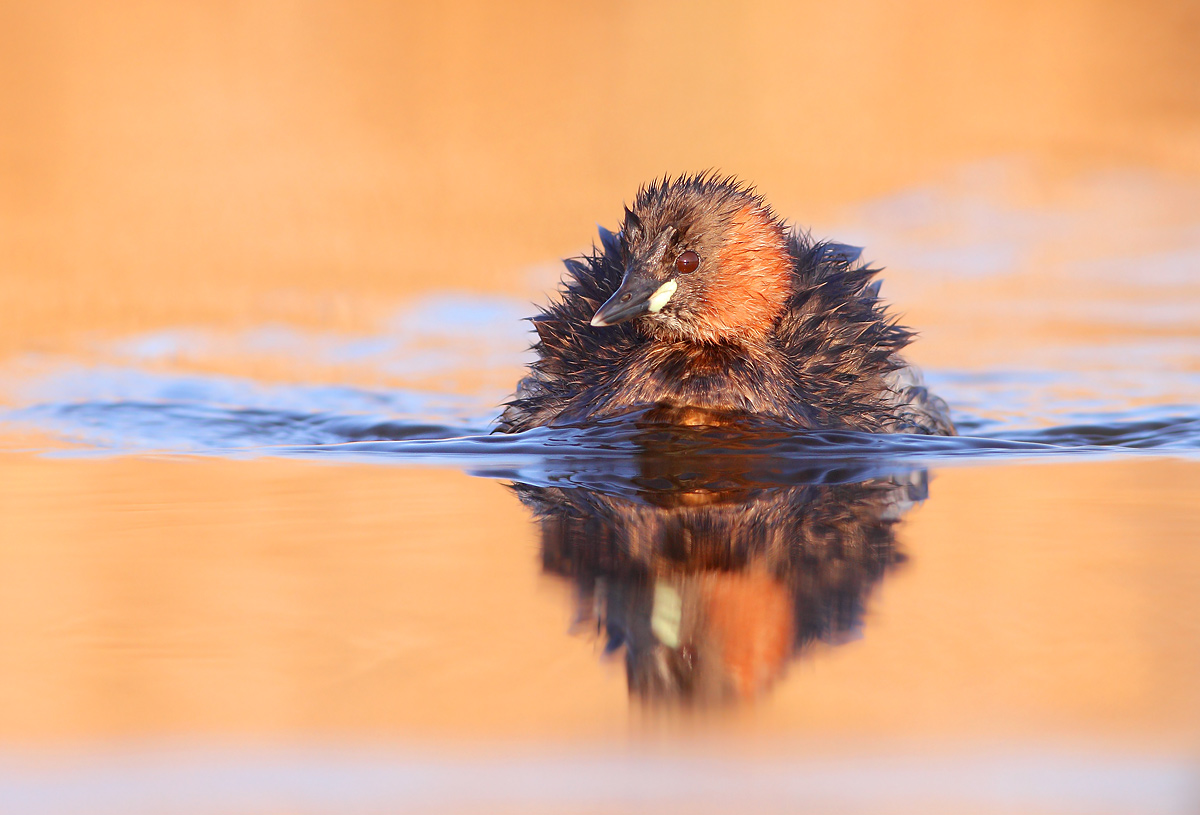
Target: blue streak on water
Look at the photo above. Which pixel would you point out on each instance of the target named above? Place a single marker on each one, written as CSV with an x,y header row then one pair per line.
x,y
605,455
125,409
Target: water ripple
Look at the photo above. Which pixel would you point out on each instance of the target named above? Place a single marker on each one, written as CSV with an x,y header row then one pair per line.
x,y
611,454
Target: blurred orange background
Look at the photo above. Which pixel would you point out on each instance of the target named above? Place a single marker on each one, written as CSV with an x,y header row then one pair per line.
x,y
230,163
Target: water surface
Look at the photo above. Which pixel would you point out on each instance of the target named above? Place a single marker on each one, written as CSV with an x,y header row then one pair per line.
x,y
262,269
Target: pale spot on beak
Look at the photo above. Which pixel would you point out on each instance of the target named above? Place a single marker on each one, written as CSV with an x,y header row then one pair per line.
x,y
666,615
662,296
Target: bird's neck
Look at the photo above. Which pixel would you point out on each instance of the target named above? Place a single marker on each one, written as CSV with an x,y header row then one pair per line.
x,y
743,304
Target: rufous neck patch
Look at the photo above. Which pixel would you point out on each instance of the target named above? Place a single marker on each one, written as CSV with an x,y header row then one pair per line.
x,y
754,283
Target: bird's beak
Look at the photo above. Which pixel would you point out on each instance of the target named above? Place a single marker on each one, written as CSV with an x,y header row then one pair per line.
x,y
637,295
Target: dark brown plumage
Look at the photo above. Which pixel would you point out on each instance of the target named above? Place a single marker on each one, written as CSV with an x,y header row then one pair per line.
x,y
706,304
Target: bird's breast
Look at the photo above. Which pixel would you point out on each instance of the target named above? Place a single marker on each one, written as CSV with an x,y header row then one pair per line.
x,y
700,378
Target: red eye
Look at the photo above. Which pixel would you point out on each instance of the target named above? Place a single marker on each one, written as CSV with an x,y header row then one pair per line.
x,y
689,261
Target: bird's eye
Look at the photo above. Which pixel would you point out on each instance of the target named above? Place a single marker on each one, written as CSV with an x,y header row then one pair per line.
x,y
689,261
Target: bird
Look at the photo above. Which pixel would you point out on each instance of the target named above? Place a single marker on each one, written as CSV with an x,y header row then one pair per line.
x,y
707,309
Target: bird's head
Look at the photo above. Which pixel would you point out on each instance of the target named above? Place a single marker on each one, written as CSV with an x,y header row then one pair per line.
x,y
705,261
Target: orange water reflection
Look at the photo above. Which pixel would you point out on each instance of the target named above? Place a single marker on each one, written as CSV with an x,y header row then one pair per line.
x,y
706,584
273,598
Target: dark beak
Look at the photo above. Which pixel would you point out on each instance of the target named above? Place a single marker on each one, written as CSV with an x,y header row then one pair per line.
x,y
637,295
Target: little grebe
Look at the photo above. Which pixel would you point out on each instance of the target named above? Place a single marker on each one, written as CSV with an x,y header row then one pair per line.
x,y
706,306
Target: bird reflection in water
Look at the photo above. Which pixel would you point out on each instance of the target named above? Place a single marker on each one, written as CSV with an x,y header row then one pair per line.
x,y
711,570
